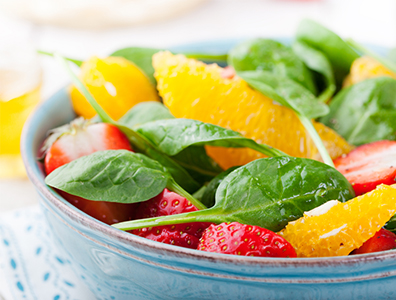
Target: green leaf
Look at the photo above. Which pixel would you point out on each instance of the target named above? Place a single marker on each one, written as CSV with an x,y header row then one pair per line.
x,y
208,57
391,224
293,96
142,145
112,175
198,163
273,57
208,197
174,135
330,44
365,112
145,112
198,194
140,56
267,192
279,190
194,159
318,62
286,92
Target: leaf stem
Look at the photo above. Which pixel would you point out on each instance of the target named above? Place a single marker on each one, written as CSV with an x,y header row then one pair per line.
x,y
267,150
208,57
159,221
386,62
316,139
76,61
173,186
81,87
327,93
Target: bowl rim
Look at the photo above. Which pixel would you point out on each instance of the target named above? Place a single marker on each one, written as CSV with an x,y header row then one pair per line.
x,y
37,178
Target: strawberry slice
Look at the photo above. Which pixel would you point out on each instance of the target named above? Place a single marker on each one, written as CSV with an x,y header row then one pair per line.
x,y
165,204
383,240
369,165
240,239
80,138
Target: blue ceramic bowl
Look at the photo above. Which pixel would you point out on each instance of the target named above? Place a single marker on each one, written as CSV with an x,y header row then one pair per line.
x,y
118,265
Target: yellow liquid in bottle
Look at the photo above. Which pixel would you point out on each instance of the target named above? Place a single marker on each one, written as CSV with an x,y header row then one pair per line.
x,y
13,114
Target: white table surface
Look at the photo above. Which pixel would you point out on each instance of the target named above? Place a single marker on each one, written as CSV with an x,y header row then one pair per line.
x,y
364,20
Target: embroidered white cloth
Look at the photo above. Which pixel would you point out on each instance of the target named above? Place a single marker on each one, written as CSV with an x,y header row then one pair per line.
x,y
31,268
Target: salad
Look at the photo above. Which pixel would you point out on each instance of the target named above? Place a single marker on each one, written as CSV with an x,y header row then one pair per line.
x,y
269,150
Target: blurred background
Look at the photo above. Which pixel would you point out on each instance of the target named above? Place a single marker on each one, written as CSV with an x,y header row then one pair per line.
x,y
82,28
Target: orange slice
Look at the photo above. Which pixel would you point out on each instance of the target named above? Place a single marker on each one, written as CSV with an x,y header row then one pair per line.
x,y
115,83
194,90
336,228
364,68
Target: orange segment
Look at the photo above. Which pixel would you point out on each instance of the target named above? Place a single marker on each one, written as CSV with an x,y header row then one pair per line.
x,y
194,90
366,67
115,83
344,227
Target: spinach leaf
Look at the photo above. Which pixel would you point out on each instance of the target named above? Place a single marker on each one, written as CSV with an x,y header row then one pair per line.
x,y
318,62
273,57
194,159
197,163
145,112
279,190
115,176
268,192
365,112
208,197
180,175
293,96
198,194
174,135
111,175
276,85
337,51
286,92
140,56
391,224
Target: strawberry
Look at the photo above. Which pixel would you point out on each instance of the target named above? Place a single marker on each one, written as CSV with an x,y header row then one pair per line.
x,y
381,241
169,203
240,239
369,165
80,138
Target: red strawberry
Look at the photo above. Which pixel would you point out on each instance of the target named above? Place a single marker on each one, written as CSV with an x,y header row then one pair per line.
x,y
169,203
240,239
381,241
369,165
80,138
